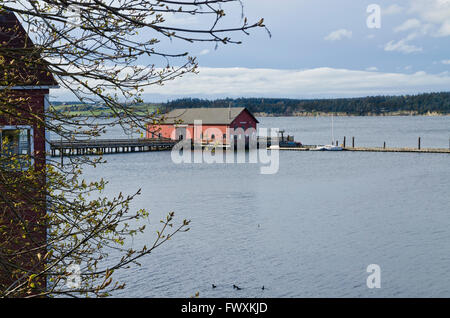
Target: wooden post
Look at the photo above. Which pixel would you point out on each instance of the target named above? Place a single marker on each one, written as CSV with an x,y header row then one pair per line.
x,y
61,153
384,145
344,141
353,142
418,143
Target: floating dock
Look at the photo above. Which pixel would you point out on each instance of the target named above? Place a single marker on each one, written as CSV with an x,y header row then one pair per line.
x,y
382,149
376,149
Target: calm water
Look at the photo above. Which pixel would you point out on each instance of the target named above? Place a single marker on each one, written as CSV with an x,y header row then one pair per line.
x,y
310,230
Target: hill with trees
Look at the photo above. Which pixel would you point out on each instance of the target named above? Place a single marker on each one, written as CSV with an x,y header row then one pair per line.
x,y
429,103
422,104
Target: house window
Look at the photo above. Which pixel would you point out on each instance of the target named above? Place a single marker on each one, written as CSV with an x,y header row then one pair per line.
x,y
16,142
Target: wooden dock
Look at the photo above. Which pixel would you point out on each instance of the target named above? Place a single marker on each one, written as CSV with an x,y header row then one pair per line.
x,y
383,149
114,146
108,146
377,149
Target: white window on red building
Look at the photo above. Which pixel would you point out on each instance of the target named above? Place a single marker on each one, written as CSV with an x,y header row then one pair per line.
x,y
16,142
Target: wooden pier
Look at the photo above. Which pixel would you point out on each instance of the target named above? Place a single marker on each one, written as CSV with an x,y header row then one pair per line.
x,y
108,146
344,146
114,146
384,149
376,149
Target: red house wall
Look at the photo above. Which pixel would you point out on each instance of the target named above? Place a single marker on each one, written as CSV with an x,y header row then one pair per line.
x,y
34,103
244,120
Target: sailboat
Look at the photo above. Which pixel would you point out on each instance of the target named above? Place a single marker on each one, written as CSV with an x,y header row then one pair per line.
x,y
331,147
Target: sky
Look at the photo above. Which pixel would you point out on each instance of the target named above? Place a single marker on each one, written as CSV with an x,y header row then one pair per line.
x,y
318,49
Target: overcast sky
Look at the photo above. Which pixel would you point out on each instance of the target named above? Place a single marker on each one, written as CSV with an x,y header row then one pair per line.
x,y
320,48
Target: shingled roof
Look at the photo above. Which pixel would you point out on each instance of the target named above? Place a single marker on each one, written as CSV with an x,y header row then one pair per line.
x,y
208,116
20,62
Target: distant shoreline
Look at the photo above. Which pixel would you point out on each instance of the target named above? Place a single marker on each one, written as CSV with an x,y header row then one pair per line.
x,y
308,114
323,114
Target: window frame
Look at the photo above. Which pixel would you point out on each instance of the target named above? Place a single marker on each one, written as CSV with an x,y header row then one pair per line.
x,y
21,127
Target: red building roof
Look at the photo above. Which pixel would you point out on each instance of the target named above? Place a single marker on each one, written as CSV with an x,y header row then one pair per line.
x,y
212,116
20,61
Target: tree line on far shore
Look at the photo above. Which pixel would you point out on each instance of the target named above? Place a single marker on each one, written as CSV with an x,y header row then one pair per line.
x,y
374,105
421,104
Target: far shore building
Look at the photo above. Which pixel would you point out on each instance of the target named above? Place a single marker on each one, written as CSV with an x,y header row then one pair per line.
x,y
218,124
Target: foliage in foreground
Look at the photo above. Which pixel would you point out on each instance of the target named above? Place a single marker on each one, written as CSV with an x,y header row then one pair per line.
x,y
53,223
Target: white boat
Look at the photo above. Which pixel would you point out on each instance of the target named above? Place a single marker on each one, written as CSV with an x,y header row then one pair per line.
x,y
327,148
331,147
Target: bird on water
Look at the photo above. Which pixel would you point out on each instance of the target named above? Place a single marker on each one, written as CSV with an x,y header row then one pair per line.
x,y
213,286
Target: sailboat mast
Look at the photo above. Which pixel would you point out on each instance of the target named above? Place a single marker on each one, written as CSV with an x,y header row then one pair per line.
x,y
332,128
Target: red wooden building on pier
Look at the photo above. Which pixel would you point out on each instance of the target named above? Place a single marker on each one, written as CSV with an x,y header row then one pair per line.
x,y
218,124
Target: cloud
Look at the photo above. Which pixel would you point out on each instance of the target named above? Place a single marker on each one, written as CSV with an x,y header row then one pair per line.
x,y
434,12
444,29
322,81
339,35
408,25
432,18
372,69
177,20
402,46
309,83
392,9
204,52
446,62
